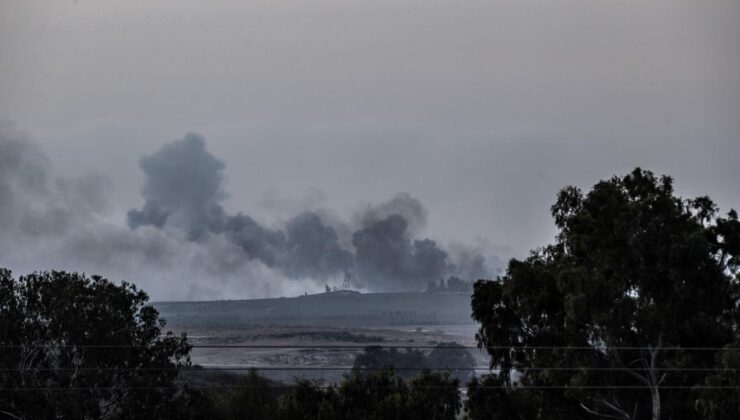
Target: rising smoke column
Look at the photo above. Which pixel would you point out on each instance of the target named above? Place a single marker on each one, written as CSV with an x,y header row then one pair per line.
x,y
312,249
388,258
183,189
389,254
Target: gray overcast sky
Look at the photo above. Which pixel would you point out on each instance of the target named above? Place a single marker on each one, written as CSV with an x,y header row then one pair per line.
x,y
481,109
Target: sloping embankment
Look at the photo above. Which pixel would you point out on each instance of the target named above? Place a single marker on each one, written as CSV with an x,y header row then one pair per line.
x,y
338,309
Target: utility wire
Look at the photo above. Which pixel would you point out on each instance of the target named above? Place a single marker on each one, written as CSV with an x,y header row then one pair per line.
x,y
334,368
231,387
365,346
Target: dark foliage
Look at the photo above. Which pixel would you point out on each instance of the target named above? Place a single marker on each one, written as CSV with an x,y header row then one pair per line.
x,y
452,357
634,269
251,397
433,396
722,404
488,398
52,325
375,395
409,362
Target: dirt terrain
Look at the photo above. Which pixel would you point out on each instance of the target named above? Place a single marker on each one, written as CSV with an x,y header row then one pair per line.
x,y
315,336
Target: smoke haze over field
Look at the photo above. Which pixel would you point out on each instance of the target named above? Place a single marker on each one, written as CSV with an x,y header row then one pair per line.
x,y
183,237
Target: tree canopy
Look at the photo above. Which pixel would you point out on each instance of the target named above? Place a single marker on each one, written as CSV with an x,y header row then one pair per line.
x,y
449,357
608,321
363,395
82,347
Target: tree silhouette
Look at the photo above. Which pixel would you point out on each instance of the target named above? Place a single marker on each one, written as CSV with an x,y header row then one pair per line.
x,y
82,347
635,272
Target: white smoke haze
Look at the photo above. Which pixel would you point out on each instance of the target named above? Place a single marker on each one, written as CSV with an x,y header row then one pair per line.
x,y
183,244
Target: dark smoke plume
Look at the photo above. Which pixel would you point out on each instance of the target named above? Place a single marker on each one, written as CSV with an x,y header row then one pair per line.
x,y
312,248
402,204
183,244
183,189
386,256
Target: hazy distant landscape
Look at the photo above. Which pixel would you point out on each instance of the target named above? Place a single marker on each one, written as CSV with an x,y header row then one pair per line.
x,y
335,309
291,360
340,318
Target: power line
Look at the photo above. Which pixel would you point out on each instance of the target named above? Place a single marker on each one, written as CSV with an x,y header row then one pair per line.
x,y
335,368
365,346
277,387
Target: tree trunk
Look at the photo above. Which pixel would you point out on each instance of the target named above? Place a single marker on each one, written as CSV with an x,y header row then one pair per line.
x,y
654,380
655,397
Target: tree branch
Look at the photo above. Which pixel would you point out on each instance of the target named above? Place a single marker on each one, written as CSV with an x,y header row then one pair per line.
x,y
10,415
596,413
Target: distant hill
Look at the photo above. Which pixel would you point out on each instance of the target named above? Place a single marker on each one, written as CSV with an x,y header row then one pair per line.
x,y
337,309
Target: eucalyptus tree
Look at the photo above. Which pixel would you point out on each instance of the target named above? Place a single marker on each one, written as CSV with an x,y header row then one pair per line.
x,y
622,316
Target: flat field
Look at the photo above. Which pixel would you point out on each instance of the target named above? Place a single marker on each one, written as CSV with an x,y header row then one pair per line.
x,y
315,336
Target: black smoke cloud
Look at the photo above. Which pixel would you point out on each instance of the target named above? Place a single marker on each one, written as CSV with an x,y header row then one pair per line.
x,y
183,189
402,204
387,256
